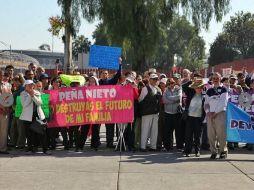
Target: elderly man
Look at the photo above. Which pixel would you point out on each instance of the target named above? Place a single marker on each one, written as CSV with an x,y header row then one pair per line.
x,y
5,87
149,99
215,106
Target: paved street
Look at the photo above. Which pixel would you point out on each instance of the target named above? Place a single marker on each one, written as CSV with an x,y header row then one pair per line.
x,y
111,170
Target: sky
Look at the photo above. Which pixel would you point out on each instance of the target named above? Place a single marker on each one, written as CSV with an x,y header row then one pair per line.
x,y
24,23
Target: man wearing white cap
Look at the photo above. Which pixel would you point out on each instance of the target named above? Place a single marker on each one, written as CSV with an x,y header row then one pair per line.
x,y
150,104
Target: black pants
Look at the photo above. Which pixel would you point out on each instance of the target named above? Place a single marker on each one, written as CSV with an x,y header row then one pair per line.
x,y
34,139
95,141
110,134
75,135
205,143
172,123
51,137
193,131
161,125
129,136
64,133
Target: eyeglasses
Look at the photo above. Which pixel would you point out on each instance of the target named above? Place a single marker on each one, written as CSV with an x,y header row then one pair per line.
x,y
215,78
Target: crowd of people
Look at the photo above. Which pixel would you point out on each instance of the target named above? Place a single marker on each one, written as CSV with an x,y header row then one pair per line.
x,y
185,109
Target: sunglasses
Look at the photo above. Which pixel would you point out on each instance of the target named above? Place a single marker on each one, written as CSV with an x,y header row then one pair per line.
x,y
215,78
155,79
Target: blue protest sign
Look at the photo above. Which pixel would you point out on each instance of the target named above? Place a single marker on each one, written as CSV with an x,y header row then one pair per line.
x,y
104,57
240,125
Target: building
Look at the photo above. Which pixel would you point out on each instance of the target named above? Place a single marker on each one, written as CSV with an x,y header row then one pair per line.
x,y
46,59
19,60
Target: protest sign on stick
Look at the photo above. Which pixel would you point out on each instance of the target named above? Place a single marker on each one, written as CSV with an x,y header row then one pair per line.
x,y
104,57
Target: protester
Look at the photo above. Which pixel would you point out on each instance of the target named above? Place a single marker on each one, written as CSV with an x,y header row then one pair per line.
x,y
105,80
32,67
196,114
5,87
55,85
17,131
180,130
95,141
172,101
44,78
241,82
129,133
39,71
215,106
161,122
31,103
149,99
9,69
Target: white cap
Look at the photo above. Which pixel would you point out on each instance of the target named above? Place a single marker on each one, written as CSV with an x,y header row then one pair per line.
x,y
164,80
130,79
153,76
163,75
28,82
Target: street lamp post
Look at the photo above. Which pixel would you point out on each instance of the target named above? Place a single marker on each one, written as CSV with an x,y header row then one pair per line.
x,y
8,46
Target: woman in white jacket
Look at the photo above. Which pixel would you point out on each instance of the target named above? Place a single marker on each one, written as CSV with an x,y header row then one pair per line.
x,y
31,103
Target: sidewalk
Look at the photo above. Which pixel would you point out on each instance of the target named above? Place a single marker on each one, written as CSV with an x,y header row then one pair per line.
x,y
107,169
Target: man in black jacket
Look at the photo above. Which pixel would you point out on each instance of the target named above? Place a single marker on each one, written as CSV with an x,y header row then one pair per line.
x,y
105,80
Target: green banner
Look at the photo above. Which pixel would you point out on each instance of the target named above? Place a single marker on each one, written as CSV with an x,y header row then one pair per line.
x,y
45,105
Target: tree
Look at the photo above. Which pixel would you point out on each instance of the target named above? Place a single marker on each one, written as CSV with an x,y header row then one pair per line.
x,y
236,41
71,15
80,44
100,35
181,39
138,23
221,51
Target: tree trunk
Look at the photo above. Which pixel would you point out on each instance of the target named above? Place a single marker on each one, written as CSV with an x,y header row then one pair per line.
x,y
68,67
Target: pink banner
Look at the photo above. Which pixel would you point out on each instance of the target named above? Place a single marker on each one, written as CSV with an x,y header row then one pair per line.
x,y
96,105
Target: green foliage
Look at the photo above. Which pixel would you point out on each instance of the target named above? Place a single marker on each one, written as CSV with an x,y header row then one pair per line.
x,y
140,23
79,45
181,39
236,41
56,25
100,35
71,10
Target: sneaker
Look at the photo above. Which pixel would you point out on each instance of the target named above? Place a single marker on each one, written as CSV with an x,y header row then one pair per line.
x,y
213,156
187,155
223,155
197,154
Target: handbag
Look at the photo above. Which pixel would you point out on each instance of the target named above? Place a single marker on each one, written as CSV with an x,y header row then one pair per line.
x,y
38,126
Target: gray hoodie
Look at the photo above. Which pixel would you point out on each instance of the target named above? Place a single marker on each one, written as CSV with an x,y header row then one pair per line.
x,y
172,99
